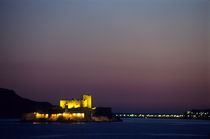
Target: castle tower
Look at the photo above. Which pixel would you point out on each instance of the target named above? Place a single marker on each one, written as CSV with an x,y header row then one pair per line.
x,y
84,102
63,103
87,101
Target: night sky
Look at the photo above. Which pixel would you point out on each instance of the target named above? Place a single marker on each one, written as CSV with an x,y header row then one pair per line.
x,y
132,55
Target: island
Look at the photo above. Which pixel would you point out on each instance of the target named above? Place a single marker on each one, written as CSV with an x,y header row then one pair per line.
x,y
74,110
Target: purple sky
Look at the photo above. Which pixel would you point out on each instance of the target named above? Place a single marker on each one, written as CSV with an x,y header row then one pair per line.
x,y
132,55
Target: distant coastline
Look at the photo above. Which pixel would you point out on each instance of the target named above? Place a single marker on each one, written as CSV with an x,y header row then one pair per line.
x,y
201,114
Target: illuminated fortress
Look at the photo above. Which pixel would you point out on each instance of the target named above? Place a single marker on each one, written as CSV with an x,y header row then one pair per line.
x,y
84,102
73,110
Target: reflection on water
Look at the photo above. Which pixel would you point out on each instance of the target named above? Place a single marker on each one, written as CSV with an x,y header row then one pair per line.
x,y
59,123
49,136
35,123
129,128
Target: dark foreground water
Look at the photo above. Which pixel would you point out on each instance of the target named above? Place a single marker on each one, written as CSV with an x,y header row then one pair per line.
x,y
129,128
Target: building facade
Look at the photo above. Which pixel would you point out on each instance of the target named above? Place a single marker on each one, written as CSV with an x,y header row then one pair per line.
x,y
84,102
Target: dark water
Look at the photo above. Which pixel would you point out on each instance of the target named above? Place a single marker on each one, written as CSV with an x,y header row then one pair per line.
x,y
129,128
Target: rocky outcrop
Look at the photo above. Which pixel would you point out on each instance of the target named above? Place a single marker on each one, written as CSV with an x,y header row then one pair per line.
x,y
13,106
104,114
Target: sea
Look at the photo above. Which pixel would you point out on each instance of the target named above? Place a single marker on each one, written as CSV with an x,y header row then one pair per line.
x,y
134,128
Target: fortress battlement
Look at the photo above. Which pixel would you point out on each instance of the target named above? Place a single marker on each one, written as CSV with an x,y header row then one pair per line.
x,y
84,102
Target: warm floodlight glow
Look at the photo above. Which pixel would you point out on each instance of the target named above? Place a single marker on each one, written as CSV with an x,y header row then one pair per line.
x,y
85,102
65,115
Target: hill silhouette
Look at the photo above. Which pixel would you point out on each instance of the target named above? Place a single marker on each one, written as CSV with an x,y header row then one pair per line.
x,y
13,105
